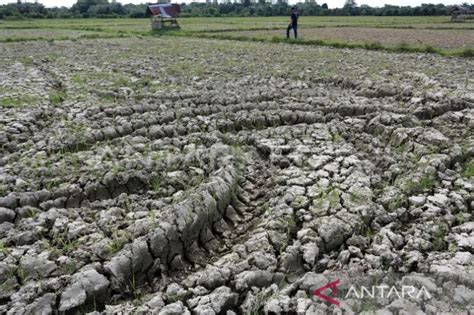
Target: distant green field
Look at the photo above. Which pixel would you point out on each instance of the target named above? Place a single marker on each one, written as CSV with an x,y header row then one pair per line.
x,y
241,23
444,37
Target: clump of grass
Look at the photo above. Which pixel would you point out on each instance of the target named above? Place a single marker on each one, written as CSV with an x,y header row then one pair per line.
x,y
429,49
336,138
356,196
468,171
31,212
119,239
452,248
13,102
27,60
70,267
57,97
107,97
77,79
402,47
373,46
152,217
116,168
367,231
396,202
467,52
21,276
438,240
3,190
426,182
20,39
136,293
61,244
156,185
9,102
266,208
163,31
330,195
3,248
51,184
122,81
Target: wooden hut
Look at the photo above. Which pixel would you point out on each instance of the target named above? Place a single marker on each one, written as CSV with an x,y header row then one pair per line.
x,y
162,14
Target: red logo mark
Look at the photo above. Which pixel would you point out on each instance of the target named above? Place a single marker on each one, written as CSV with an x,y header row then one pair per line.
x,y
333,287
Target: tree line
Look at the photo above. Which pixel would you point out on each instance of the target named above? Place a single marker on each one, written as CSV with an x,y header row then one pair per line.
x,y
106,9
311,8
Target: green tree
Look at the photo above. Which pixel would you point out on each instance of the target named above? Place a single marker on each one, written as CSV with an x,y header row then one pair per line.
x,y
350,4
82,6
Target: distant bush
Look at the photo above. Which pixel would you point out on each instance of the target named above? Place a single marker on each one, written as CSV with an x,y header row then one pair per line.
x,y
137,14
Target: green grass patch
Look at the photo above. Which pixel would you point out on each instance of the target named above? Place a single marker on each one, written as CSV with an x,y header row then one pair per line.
x,y
118,239
20,101
57,97
27,60
466,52
425,183
77,79
468,170
4,249
438,242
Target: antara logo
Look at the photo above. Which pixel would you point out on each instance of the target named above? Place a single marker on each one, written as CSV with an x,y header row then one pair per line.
x,y
333,287
386,292
382,291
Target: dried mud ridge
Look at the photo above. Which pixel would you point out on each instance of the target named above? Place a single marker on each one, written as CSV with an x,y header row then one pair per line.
x,y
215,200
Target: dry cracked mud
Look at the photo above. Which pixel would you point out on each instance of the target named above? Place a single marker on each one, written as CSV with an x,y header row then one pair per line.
x,y
184,176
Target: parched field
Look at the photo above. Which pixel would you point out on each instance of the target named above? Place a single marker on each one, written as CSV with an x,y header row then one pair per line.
x,y
180,175
442,38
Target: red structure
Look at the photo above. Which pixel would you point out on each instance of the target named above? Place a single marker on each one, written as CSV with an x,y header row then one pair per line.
x,y
162,13
165,10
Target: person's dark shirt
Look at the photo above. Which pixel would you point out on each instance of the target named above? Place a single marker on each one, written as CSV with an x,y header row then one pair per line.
x,y
294,19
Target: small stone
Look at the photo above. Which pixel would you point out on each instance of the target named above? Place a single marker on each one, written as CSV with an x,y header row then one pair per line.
x,y
223,299
156,303
464,295
310,253
85,284
316,162
355,251
8,202
334,232
417,200
6,215
344,257
439,200
374,261
176,308
42,305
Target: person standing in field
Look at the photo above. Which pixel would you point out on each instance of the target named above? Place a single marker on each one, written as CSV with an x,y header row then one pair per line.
x,y
293,23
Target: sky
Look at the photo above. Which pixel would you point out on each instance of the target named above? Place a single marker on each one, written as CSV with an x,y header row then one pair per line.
x,y
331,3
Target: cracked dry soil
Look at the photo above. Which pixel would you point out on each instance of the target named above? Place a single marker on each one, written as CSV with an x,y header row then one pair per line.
x,y
184,176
